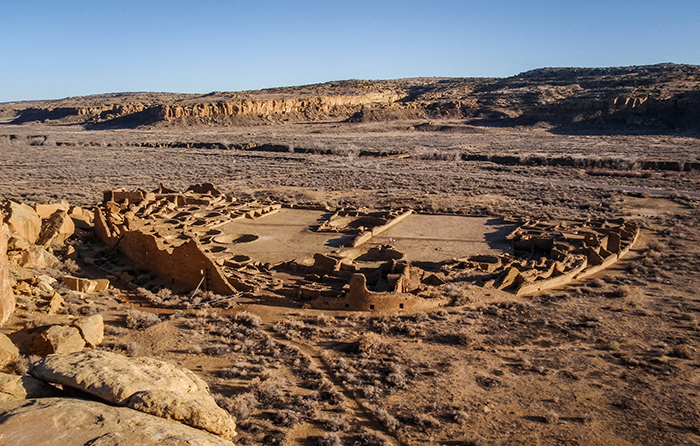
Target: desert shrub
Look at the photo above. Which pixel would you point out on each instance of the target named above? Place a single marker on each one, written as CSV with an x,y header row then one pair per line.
x,y
334,422
329,439
163,298
396,377
440,314
138,320
292,329
268,391
476,441
88,310
596,283
372,439
26,302
240,369
71,266
217,350
458,296
241,406
322,320
133,349
370,392
276,438
622,291
384,417
305,403
286,418
20,365
332,396
420,317
426,421
407,328
488,382
459,338
368,344
247,319
682,351
111,330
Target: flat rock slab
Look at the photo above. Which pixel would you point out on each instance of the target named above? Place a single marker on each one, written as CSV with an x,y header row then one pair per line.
x,y
74,422
15,387
198,411
115,378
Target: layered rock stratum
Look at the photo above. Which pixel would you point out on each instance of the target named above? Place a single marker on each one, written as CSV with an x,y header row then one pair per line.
x,y
663,96
67,421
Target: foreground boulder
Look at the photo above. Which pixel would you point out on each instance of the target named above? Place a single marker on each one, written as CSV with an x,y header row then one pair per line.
x,y
115,378
8,351
56,228
86,285
23,220
7,296
92,328
198,411
58,339
15,387
146,384
37,257
74,422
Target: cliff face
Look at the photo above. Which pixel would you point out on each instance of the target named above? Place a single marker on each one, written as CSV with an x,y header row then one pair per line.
x,y
315,106
665,96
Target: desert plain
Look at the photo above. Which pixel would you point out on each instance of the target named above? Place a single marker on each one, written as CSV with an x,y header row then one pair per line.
x,y
606,359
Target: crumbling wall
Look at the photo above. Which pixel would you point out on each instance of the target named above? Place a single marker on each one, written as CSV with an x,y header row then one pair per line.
x,y
186,264
359,298
7,296
365,224
575,252
367,235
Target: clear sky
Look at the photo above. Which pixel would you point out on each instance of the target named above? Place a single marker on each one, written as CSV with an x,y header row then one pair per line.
x,y
57,48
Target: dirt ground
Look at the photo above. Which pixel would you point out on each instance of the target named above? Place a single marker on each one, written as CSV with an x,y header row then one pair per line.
x,y
612,360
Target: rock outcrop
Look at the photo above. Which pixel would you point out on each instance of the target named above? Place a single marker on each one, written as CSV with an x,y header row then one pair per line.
x,y
56,228
15,387
74,422
58,339
8,351
146,384
198,411
7,295
115,378
22,220
92,329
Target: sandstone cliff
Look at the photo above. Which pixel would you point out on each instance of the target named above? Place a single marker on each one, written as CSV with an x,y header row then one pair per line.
x,y
664,97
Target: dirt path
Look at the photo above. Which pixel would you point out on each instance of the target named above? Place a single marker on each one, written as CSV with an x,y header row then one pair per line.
x,y
359,411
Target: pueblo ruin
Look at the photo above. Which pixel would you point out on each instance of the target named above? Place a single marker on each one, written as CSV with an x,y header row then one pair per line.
x,y
420,261
201,238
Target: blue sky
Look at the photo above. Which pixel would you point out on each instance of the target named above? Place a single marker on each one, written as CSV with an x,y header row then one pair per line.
x,y
58,48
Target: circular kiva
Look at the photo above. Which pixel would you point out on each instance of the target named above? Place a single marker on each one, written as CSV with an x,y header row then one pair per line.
x,y
235,238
